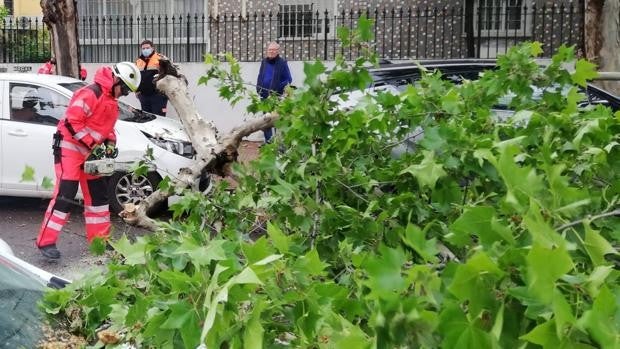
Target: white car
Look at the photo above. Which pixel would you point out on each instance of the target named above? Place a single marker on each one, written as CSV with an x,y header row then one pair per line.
x,y
30,107
21,287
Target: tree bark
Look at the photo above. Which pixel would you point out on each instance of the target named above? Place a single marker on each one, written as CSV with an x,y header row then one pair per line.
x,y
60,16
602,38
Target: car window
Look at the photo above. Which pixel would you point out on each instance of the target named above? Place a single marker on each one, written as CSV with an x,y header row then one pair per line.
x,y
36,104
73,86
20,319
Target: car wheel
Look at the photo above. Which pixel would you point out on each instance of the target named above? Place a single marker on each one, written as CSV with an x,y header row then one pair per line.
x,y
125,188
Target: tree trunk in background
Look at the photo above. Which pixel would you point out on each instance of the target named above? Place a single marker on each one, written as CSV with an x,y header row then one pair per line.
x,y
602,38
60,16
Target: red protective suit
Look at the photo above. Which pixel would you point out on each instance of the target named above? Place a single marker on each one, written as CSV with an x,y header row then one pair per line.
x,y
88,122
47,68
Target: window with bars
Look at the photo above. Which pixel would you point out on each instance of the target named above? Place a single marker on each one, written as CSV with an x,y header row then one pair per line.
x,y
303,19
502,17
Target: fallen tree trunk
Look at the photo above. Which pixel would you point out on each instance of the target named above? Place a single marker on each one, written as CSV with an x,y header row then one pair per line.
x,y
212,155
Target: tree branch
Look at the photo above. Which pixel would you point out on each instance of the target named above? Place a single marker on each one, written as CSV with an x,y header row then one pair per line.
x,y
212,155
590,218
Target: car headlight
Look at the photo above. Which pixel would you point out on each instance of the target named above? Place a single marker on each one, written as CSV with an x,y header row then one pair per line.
x,y
178,147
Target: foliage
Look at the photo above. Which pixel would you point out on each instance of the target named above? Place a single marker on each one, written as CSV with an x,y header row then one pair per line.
x,y
489,234
24,41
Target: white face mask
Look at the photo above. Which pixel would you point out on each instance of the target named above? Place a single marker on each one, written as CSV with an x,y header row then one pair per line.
x,y
147,52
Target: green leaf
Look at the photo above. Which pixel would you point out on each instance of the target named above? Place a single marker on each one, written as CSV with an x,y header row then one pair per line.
x,y
311,264
281,242
451,102
344,35
459,333
365,28
416,239
474,282
481,222
602,321
542,233
202,255
536,48
563,314
597,246
385,272
28,174
428,172
134,253
180,313
543,335
97,246
312,71
544,267
254,331
584,71
47,183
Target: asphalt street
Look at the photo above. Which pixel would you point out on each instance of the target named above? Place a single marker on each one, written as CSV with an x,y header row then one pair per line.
x,y
20,219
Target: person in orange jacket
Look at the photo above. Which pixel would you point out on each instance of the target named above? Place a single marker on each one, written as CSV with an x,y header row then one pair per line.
x,y
88,122
150,99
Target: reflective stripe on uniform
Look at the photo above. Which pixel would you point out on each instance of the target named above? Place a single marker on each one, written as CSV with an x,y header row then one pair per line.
x,y
80,135
81,103
96,135
54,226
88,131
75,147
97,209
60,214
96,220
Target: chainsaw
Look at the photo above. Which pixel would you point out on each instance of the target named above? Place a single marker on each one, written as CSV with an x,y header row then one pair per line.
x,y
102,162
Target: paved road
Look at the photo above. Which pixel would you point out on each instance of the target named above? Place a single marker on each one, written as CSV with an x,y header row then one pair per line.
x,y
20,219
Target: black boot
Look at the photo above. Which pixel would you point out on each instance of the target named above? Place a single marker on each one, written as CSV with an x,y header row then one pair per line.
x,y
50,251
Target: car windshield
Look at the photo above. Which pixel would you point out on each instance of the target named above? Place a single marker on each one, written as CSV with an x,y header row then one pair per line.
x,y
20,319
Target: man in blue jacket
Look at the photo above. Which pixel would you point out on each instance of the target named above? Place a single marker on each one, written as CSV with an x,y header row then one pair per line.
x,y
273,77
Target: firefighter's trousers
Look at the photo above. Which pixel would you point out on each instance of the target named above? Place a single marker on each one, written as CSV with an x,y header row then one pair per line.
x,y
69,158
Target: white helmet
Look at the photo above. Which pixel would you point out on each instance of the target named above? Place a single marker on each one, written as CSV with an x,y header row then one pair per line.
x,y
129,73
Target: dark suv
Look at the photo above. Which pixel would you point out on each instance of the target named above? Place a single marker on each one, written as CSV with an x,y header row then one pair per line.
x,y
399,75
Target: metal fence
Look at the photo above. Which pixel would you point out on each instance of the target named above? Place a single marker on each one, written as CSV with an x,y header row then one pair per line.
x,y
400,33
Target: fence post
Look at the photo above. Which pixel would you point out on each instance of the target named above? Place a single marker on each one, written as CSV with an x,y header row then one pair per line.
x,y
187,49
325,26
469,28
479,30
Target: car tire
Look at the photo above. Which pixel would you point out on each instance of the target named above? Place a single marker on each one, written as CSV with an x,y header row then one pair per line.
x,y
125,187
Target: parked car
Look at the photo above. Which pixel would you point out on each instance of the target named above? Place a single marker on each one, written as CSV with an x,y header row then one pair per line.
x,y
399,75
21,286
396,77
30,107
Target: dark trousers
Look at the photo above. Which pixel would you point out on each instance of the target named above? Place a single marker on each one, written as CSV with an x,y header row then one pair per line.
x,y
268,132
155,103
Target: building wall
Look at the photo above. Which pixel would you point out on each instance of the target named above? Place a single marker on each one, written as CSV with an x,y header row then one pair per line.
x,y
30,8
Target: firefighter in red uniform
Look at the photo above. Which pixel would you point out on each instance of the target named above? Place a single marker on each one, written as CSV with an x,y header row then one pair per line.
x,y
88,123
48,67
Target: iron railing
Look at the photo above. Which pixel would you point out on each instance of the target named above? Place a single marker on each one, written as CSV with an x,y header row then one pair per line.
x,y
400,33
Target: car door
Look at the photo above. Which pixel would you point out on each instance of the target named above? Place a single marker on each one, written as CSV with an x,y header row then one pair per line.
x,y
26,139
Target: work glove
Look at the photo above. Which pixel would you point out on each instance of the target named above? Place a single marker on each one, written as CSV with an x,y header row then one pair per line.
x,y
98,152
111,151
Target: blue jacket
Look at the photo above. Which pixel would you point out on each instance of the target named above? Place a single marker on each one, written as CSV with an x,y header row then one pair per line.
x,y
273,77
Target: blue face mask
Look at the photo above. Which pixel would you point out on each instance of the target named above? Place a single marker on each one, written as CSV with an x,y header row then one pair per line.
x,y
147,52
